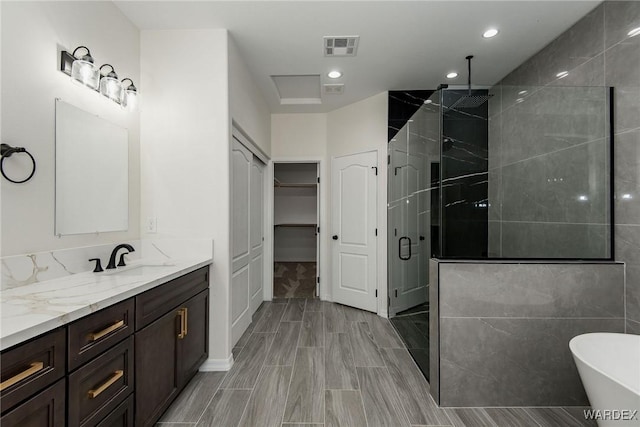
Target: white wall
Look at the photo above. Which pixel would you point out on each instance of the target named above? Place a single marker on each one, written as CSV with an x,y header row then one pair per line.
x,y
356,128
185,149
33,33
249,110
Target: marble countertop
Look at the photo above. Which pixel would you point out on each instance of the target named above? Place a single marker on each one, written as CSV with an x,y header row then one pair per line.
x,y
30,310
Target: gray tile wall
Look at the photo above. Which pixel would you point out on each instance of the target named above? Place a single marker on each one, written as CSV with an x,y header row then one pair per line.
x,y
504,329
596,51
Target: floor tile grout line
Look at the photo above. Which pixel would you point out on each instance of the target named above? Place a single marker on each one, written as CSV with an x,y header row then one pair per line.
x,y
293,369
366,420
218,388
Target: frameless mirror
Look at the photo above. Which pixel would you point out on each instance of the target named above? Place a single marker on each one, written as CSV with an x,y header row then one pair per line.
x,y
92,173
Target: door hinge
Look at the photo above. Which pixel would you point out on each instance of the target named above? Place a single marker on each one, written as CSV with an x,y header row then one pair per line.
x,y
376,293
318,230
318,180
396,293
318,279
376,231
376,168
388,159
389,301
395,231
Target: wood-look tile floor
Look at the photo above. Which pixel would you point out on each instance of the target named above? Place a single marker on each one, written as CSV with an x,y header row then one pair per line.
x,y
307,363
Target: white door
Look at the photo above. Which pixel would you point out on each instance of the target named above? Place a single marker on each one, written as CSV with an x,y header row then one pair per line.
x,y
354,222
241,163
256,233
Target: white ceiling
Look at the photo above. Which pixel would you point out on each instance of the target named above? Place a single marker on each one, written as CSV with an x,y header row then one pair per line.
x,y
403,44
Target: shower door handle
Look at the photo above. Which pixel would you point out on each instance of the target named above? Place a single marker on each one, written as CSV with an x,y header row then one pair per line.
x,y
400,248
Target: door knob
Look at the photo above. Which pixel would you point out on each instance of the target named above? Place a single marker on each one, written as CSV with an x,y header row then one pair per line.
x,y
335,237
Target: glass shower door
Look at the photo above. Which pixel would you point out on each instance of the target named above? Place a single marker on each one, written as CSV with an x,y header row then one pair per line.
x,y
414,156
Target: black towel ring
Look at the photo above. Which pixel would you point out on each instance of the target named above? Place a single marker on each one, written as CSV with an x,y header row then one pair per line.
x,y
7,151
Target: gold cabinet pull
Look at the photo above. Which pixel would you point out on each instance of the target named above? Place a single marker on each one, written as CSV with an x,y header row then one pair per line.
x,y
186,321
115,377
33,368
97,335
183,316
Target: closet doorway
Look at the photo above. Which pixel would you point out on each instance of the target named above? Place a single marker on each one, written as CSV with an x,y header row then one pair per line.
x,y
296,231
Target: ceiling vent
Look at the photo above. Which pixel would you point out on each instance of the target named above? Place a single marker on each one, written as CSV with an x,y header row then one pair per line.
x,y
341,45
334,89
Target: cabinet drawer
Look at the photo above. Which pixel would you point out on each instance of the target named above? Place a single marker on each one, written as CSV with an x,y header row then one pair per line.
x,y
29,368
122,416
92,335
45,409
96,388
156,302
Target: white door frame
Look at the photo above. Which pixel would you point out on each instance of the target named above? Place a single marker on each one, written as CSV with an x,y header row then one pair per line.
x,y
269,249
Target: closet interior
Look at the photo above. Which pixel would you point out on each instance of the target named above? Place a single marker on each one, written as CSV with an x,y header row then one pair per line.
x,y
295,251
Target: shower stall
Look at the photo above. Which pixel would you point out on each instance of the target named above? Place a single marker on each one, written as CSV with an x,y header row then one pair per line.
x,y
520,175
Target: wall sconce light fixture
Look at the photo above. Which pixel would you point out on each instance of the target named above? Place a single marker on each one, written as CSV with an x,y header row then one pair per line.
x,y
109,84
129,99
82,69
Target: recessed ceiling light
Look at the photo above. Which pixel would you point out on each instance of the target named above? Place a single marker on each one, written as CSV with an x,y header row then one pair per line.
x,y
522,92
334,74
428,101
626,196
634,32
519,100
562,74
452,75
491,32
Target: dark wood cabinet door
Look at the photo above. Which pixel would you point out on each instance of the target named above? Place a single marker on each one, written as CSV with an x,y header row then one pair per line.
x,y
156,382
122,416
194,345
45,409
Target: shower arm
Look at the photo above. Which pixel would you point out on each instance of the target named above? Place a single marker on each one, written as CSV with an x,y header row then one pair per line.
x,y
469,71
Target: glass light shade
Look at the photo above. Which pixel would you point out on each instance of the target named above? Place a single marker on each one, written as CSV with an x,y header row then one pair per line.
x,y
129,99
86,73
110,87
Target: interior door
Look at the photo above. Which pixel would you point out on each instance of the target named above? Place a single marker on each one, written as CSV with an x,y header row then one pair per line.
x,y
241,164
354,222
256,233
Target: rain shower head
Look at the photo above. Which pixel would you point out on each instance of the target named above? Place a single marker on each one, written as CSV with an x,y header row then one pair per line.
x,y
470,101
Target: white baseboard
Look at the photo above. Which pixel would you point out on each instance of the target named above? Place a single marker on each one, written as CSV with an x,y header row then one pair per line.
x,y
216,365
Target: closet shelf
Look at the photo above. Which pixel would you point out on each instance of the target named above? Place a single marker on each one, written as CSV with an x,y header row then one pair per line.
x,y
278,184
296,225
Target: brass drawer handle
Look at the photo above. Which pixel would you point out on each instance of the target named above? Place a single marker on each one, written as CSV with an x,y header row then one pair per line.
x,y
183,323
35,367
116,376
97,335
186,321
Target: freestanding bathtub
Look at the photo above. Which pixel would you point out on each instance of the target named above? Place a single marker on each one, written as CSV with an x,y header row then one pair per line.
x,y
609,366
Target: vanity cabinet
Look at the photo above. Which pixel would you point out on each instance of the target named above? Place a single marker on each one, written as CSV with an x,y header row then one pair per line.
x,y
171,343
118,367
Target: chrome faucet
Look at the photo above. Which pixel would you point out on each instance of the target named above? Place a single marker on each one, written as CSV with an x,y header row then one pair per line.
x,y
112,259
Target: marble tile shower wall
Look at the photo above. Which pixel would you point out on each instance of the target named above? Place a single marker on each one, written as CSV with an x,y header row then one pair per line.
x,y
530,146
503,329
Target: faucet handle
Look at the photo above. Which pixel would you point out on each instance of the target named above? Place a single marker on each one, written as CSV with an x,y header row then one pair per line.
x,y
121,262
98,267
